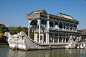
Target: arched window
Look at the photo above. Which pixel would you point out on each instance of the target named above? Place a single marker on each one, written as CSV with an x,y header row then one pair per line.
x,y
51,24
34,22
50,37
56,25
43,23
75,27
60,25
70,26
64,25
67,26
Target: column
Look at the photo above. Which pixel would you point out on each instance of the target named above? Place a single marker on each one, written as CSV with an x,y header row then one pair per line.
x,y
47,38
75,38
47,25
58,25
72,37
76,28
78,39
39,28
68,38
53,37
62,38
35,37
58,38
65,38
42,38
53,24
69,27
72,27
65,26
29,28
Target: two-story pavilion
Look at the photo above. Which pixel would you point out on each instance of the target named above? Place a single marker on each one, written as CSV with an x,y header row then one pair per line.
x,y
52,28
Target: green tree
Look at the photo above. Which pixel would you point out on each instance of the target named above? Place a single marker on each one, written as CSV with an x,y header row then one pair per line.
x,y
3,28
19,29
12,30
25,29
32,33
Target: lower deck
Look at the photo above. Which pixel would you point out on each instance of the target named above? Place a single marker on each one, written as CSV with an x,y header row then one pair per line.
x,y
56,38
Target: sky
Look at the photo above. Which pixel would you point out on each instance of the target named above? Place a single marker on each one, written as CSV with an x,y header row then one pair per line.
x,y
13,12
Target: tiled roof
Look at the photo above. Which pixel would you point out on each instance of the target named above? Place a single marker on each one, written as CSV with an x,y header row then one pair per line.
x,y
37,11
65,16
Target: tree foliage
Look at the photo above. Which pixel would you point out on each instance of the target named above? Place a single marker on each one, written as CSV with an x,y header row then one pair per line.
x,y
3,28
12,30
25,29
80,30
15,30
31,33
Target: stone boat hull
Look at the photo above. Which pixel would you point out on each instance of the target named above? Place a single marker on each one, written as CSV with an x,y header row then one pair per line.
x,y
23,42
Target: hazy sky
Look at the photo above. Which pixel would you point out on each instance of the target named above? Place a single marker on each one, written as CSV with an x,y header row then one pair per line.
x,y
13,12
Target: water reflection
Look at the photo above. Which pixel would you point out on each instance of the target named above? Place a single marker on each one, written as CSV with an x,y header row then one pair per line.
x,y
7,52
15,53
81,52
48,53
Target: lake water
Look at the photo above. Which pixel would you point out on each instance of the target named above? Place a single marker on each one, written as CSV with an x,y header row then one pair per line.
x,y
5,51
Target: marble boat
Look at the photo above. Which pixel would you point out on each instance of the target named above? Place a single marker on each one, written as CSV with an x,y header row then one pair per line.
x,y
50,31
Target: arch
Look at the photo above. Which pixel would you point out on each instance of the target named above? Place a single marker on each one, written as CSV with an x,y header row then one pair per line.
x,y
56,25
43,22
51,24
60,25
33,22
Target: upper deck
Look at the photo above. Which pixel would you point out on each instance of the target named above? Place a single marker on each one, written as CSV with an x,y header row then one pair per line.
x,y
42,14
60,22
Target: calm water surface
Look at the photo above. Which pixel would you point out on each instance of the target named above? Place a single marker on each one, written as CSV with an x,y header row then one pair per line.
x,y
5,51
